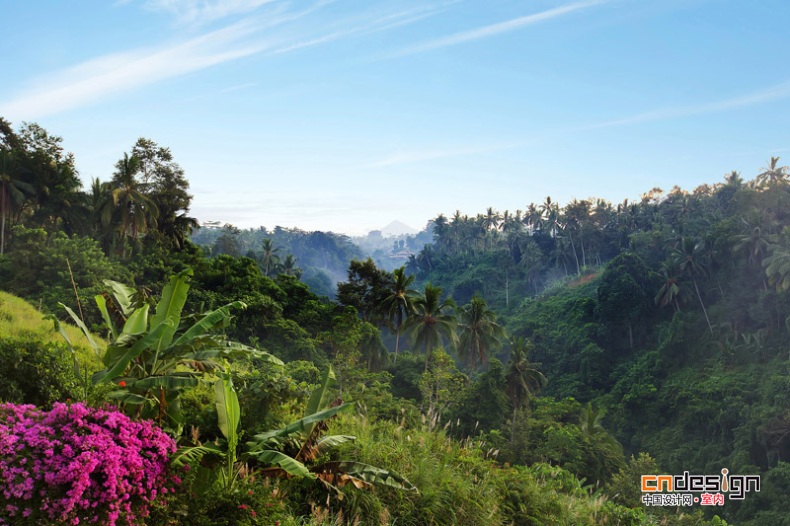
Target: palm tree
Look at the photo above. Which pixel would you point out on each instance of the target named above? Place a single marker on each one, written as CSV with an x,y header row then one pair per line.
x,y
551,217
606,451
288,266
399,303
531,261
772,175
135,210
689,259
524,379
13,190
431,321
479,332
754,244
777,264
533,218
269,258
670,289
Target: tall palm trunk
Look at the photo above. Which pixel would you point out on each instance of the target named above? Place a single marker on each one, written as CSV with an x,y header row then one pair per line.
x,y
704,311
397,341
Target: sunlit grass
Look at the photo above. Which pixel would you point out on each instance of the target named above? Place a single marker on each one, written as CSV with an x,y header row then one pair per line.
x,y
20,319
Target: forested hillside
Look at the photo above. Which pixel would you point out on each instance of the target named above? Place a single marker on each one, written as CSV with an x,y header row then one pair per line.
x,y
670,314
525,368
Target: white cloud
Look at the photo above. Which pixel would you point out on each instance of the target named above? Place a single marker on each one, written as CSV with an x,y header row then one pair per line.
x,y
204,11
115,73
499,28
777,92
119,72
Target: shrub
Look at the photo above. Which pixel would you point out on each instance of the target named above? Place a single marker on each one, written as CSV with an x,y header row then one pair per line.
x,y
76,464
34,372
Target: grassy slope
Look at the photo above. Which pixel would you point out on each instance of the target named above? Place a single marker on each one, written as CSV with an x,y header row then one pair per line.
x,y
19,319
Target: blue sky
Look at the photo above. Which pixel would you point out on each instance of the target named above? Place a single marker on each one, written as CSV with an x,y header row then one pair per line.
x,y
344,115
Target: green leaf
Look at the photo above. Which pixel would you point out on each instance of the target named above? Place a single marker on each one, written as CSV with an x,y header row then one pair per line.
x,y
366,473
123,296
82,326
302,426
318,398
137,323
169,308
228,411
133,352
102,304
288,464
126,397
330,442
173,381
194,454
209,321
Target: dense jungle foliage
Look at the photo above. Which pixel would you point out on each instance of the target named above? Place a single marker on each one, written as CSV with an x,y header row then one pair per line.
x,y
523,368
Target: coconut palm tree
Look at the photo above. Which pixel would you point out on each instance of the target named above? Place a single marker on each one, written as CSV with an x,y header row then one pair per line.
x,y
288,267
777,264
772,174
479,332
670,289
524,379
398,304
754,243
432,321
134,211
690,262
269,257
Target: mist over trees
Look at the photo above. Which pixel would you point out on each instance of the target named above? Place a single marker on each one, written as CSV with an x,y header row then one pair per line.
x,y
518,367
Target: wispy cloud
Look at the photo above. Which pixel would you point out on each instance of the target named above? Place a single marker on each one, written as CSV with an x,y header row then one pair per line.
x,y
499,28
197,12
423,155
120,72
116,73
777,92
364,26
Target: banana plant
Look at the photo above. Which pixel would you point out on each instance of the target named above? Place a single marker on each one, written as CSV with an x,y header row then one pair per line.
x,y
153,357
305,436
229,419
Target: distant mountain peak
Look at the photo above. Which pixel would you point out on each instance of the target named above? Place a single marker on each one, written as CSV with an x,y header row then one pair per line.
x,y
397,228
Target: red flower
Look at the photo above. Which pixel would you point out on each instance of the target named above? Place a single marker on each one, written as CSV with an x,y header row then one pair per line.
x,y
122,383
243,506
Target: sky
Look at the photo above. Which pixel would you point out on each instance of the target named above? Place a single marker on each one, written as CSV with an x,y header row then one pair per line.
x,y
343,115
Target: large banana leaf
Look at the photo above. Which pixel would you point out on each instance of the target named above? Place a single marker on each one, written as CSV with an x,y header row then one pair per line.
x,y
330,442
137,323
301,426
319,397
117,368
105,314
209,321
123,296
228,410
170,381
82,326
343,472
126,397
208,347
174,297
288,464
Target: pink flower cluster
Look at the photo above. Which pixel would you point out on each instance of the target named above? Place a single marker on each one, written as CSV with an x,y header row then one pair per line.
x,y
79,465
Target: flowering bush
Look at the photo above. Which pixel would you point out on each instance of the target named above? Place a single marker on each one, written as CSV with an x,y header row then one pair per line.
x,y
77,465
